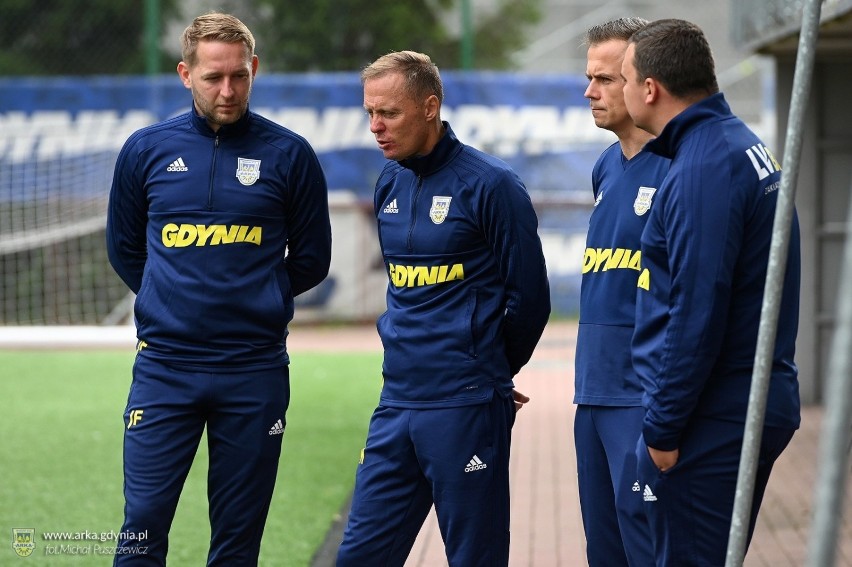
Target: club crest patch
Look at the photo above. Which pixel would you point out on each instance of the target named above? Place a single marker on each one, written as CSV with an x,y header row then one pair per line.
x,y
248,170
643,200
440,208
23,541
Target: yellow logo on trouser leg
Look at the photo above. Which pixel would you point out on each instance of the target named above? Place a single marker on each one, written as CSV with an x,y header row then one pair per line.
x,y
135,417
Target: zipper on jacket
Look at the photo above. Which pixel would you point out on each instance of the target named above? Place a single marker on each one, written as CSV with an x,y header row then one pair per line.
x,y
414,214
212,173
474,328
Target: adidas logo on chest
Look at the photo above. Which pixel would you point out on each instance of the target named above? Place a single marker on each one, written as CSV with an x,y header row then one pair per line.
x,y
392,208
177,165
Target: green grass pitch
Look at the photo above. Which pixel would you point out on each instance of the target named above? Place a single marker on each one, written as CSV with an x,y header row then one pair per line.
x,y
61,429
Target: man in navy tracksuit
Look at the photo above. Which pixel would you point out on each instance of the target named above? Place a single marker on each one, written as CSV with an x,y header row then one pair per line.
x,y
607,392
467,302
705,252
217,219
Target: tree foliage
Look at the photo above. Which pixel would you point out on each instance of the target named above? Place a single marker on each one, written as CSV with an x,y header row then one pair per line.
x,y
62,37
346,35
88,37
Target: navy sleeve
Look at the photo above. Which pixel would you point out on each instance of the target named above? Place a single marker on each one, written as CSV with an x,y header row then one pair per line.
x,y
309,241
701,226
127,218
511,228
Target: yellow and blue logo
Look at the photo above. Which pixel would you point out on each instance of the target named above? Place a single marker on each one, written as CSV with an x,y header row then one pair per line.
x,y
643,200
23,541
248,170
440,208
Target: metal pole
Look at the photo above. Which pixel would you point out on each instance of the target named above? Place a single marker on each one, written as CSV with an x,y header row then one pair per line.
x,y
152,36
467,35
837,424
778,249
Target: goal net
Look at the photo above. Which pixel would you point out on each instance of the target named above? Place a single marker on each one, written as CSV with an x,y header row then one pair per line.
x,y
53,264
60,137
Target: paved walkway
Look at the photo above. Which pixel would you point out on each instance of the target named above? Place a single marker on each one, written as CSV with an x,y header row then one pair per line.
x,y
546,525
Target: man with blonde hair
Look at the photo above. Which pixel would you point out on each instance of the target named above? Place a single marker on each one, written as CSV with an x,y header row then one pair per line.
x,y
467,301
217,218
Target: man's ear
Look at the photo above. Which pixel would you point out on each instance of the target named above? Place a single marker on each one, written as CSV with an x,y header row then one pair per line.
x,y
183,73
652,90
431,108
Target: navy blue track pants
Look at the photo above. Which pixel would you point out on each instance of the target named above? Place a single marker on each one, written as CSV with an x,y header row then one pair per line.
x,y
167,411
617,533
456,458
689,507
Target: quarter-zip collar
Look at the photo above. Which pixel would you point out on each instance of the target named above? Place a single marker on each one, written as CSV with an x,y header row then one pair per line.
x,y
714,107
199,122
443,152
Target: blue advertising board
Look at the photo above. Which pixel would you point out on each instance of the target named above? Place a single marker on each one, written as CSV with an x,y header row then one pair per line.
x,y
72,128
540,124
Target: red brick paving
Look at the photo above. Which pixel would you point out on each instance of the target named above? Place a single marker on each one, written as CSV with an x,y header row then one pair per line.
x,y
546,525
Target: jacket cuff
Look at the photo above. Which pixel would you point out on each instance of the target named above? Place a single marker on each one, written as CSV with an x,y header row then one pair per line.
x,y
657,438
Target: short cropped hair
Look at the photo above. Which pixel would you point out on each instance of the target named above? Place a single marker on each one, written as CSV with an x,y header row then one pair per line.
x,y
620,29
422,78
675,53
214,26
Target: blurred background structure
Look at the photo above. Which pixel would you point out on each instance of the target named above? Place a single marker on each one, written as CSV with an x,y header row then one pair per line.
x,y
78,77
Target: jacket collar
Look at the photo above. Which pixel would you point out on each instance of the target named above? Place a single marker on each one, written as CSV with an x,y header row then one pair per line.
x,y
712,108
446,148
200,123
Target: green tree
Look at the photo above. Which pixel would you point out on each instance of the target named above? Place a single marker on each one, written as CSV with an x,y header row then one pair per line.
x,y
76,37
345,35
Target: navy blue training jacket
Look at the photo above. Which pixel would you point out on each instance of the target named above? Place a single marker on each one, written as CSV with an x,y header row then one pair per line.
x,y
624,194
216,233
705,251
468,296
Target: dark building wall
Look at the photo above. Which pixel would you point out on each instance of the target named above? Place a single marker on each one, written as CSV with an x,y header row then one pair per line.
x,y
823,190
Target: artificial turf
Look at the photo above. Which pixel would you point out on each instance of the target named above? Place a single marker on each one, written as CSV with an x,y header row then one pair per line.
x,y
61,427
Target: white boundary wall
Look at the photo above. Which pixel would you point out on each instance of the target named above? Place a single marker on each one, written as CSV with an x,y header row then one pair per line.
x,y
122,337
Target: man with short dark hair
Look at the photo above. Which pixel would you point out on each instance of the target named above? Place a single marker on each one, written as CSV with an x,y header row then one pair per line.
x,y
608,420
705,251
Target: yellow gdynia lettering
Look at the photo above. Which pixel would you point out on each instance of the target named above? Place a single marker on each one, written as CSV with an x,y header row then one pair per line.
x,y
416,276
644,280
603,259
175,236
